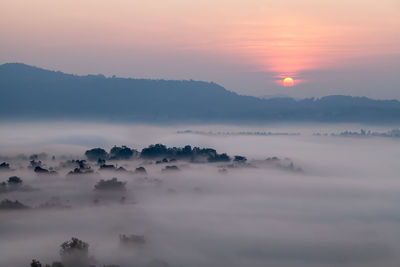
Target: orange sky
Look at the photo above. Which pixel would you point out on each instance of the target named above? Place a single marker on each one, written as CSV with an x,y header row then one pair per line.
x,y
279,38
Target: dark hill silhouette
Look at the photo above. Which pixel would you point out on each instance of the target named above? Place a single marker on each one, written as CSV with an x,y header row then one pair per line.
x,y
33,93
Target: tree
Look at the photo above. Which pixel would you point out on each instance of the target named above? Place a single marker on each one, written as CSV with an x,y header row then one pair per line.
x,y
39,169
75,252
4,166
240,159
171,168
96,153
36,263
157,150
112,184
121,153
219,158
7,204
140,170
14,180
55,264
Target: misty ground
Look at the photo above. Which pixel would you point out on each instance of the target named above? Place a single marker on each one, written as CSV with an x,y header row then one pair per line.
x,y
340,209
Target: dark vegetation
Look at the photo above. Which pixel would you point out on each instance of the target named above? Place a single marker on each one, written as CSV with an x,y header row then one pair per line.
x,y
80,171
106,189
14,183
112,167
7,186
112,184
33,164
394,133
4,166
54,203
186,153
140,170
7,204
96,154
39,169
129,240
161,152
284,164
116,153
240,159
122,153
38,166
80,167
75,253
228,133
50,94
171,168
156,153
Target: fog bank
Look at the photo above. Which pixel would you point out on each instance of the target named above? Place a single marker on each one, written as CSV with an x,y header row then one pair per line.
x,y
339,208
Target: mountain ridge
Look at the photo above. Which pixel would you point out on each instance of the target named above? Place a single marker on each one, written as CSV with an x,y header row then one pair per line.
x,y
35,93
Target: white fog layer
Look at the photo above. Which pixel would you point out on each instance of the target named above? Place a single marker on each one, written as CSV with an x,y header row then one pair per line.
x,y
299,200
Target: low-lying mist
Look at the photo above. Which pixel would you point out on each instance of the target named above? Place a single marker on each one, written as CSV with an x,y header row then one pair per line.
x,y
289,200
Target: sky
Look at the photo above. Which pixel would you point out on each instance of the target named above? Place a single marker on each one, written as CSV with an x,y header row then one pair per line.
x,y
328,47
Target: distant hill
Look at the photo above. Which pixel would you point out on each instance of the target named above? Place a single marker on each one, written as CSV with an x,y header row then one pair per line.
x,y
32,93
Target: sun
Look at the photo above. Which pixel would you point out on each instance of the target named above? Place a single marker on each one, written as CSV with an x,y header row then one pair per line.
x,y
287,82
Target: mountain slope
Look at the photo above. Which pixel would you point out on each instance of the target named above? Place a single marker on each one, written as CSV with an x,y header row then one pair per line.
x,y
32,93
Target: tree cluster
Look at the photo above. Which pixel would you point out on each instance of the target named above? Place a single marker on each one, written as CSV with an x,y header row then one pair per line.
x,y
13,183
116,153
157,151
4,166
7,204
111,184
186,152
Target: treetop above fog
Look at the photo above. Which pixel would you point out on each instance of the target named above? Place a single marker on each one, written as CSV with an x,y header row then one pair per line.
x,y
157,151
116,153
